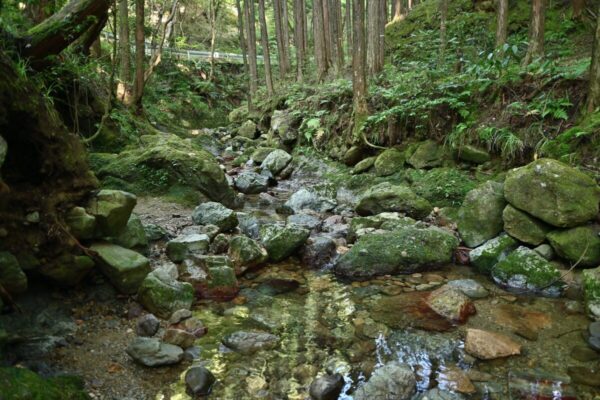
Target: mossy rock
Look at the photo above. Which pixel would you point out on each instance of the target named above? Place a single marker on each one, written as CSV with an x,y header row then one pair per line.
x,y
524,227
246,253
162,162
472,154
591,291
67,270
259,155
23,384
353,156
81,224
364,165
389,162
238,115
111,210
399,198
385,221
12,277
161,293
442,187
134,235
524,269
480,216
403,251
125,268
554,192
486,256
248,130
428,154
282,242
579,245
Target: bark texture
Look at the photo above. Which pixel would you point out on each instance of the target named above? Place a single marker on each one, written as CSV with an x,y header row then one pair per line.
x,y
502,23
264,38
593,101
251,38
359,60
536,31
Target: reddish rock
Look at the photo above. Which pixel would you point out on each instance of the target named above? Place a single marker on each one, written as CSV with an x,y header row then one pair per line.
x,y
451,304
490,345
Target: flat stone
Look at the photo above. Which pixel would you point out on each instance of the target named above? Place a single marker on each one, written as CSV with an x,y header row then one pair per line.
x,y
151,352
451,304
490,345
187,245
250,342
470,288
125,268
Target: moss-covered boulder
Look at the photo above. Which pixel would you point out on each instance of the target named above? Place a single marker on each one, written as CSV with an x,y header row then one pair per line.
x,y
386,197
403,251
428,154
554,192
67,270
162,294
472,154
282,242
248,130
246,253
364,165
523,226
24,384
221,283
249,182
12,277
282,122
353,155
389,162
134,235
260,154
579,245
591,291
442,187
125,268
81,224
276,161
184,246
163,164
486,256
212,213
389,221
111,209
525,270
480,216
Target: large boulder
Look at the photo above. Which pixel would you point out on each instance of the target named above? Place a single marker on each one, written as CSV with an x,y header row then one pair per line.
x,y
442,187
305,199
389,221
524,227
125,268
151,352
276,161
184,246
554,192
12,277
81,224
282,241
405,250
134,235
486,256
248,130
221,283
162,163
281,125
579,245
392,381
112,209
480,216
162,294
386,197
389,162
428,154
526,271
246,253
260,154
472,154
249,182
212,213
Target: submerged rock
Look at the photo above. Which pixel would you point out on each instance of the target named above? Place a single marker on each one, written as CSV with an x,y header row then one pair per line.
x,y
246,253
389,162
554,192
111,209
282,241
579,245
151,352
392,381
524,227
386,197
250,342
480,216
221,283
125,268
405,250
162,294
470,287
327,387
199,381
276,161
490,345
451,304
212,213
305,199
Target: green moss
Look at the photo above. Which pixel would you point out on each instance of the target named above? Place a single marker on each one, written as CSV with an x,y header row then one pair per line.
x,y
23,384
443,187
537,271
579,245
591,284
486,256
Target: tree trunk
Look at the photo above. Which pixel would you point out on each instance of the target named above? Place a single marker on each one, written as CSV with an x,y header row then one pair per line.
x,y
140,53
410,4
299,17
251,38
536,31
123,89
398,10
359,61
320,41
164,32
578,7
214,13
443,29
593,100
336,35
97,48
286,32
60,30
502,23
280,36
349,28
376,36
242,38
264,38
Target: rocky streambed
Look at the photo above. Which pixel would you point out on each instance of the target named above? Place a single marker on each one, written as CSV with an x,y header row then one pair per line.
x,y
296,278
